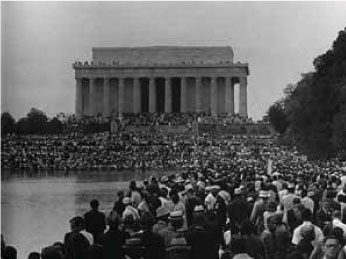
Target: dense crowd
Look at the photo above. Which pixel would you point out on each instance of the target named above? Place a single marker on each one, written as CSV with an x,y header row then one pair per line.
x,y
234,199
162,119
125,150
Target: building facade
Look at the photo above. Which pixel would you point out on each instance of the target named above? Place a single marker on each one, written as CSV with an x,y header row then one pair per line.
x,y
160,80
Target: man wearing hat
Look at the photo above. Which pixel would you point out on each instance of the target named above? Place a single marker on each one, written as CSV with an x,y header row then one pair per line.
x,y
259,209
161,226
287,200
129,209
190,202
175,237
203,242
237,209
78,241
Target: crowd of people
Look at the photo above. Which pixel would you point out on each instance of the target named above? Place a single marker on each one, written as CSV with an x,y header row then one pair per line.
x,y
234,200
106,151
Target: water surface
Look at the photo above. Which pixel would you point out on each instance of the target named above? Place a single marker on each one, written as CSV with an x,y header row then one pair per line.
x,y
36,208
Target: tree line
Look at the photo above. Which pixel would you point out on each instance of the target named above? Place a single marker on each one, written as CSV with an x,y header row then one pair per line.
x,y
312,114
36,122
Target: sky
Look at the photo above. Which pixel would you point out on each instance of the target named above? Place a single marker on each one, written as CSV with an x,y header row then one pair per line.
x,y
41,40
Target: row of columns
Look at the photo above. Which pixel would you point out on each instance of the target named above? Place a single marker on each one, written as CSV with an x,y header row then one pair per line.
x,y
229,98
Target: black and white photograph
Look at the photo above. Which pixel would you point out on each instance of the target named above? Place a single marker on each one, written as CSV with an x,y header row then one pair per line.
x,y
173,130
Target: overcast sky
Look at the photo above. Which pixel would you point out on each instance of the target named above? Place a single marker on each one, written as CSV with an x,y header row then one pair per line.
x,y
41,40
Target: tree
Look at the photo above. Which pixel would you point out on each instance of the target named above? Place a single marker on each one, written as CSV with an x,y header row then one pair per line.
x,y
277,117
36,122
54,126
8,124
315,107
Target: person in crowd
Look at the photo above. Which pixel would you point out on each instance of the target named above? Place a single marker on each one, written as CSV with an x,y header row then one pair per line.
x,y
287,200
152,242
307,221
9,252
237,210
198,236
134,194
259,208
306,200
113,240
78,241
276,239
305,246
162,215
95,220
51,252
119,206
175,238
254,244
270,211
130,210
295,215
332,248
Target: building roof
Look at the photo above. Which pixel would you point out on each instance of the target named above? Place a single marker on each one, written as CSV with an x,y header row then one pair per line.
x,y
163,55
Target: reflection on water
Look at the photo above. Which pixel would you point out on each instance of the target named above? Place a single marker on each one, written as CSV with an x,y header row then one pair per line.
x,y
36,207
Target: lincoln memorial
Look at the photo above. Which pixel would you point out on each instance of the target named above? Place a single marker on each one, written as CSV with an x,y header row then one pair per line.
x,y
160,80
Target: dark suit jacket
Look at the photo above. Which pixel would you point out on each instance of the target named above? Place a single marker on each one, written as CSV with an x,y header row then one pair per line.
x,y
95,223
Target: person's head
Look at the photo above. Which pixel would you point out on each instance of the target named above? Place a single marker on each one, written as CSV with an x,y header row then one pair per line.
x,y
51,252
34,255
77,224
271,222
308,232
120,195
332,246
174,196
298,210
307,215
94,204
9,253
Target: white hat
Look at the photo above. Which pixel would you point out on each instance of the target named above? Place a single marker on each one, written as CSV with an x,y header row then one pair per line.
x,y
126,200
199,208
264,194
238,191
291,186
176,215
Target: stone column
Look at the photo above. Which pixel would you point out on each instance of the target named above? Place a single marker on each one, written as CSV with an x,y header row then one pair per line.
x,y
79,98
168,95
243,96
152,95
136,100
106,97
213,97
229,100
183,94
92,97
198,94
121,100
